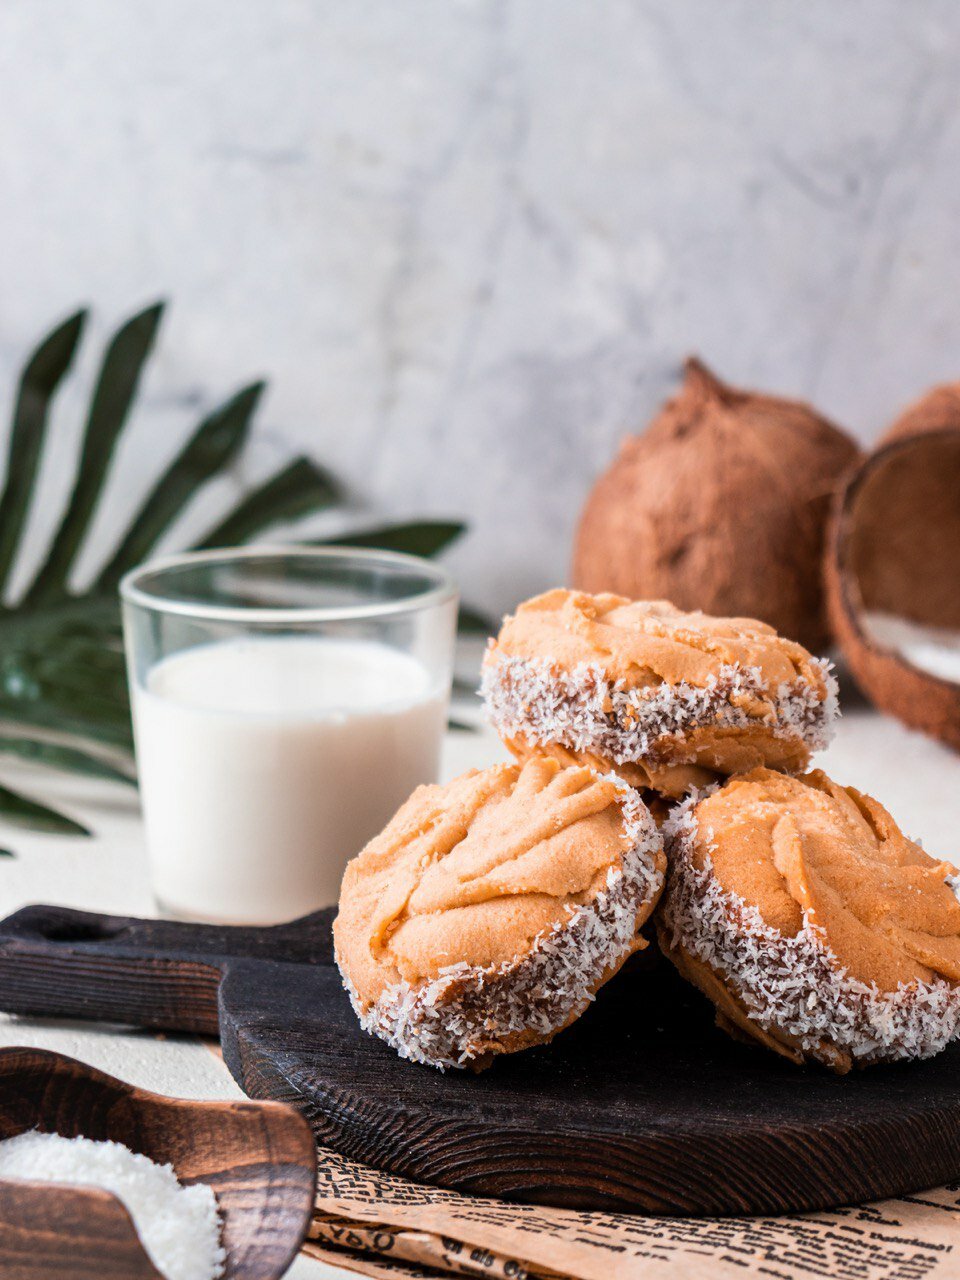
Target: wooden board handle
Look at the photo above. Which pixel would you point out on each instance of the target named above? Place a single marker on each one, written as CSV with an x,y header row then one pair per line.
x,y
55,962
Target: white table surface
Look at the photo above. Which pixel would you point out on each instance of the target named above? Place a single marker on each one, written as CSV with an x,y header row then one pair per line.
x,y
914,777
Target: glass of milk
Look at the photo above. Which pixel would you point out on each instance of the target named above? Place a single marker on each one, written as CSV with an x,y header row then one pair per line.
x,y
285,703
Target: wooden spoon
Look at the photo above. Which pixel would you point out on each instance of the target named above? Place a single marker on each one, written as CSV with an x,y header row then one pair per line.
x,y
259,1158
85,1233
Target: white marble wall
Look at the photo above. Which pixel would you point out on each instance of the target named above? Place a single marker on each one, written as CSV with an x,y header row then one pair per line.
x,y
470,242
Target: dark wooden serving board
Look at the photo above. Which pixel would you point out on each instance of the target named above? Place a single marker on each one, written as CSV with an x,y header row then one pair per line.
x,y
641,1105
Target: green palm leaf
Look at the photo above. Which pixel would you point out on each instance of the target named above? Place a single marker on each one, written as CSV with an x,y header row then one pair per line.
x,y
38,384
473,622
419,538
297,490
116,387
215,444
63,691
26,812
58,756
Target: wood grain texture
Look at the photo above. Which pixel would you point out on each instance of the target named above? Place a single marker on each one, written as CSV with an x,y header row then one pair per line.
x,y
258,1158
641,1105
77,1232
150,973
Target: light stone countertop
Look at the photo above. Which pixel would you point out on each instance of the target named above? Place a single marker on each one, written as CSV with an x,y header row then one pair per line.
x,y
914,777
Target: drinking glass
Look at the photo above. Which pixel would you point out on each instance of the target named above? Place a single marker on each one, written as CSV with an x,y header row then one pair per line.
x,y
285,702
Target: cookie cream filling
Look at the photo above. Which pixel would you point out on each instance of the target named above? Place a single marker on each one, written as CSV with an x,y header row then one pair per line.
x,y
583,710
456,1017
795,985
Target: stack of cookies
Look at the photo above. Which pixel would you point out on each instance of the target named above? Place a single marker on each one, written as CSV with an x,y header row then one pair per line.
x,y
659,775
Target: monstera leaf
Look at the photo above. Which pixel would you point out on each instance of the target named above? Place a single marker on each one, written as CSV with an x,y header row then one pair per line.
x,y
63,692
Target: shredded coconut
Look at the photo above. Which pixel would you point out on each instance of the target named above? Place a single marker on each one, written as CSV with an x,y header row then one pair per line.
x,y
795,986
458,1015
584,711
178,1226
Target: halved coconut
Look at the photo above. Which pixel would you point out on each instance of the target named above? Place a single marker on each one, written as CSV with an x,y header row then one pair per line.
x,y
936,409
893,580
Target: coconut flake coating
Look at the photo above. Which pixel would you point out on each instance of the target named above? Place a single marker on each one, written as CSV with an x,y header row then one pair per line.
x,y
468,1013
672,699
795,989
586,712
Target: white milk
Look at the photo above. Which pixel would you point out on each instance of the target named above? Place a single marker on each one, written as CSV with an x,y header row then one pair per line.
x,y
266,763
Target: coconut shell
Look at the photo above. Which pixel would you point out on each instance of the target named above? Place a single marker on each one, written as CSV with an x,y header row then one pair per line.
x,y
894,545
937,410
720,505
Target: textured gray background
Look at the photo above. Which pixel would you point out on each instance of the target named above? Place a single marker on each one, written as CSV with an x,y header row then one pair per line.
x,y
470,242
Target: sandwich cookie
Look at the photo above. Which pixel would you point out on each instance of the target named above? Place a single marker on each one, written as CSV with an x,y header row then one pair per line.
x,y
812,923
670,700
490,910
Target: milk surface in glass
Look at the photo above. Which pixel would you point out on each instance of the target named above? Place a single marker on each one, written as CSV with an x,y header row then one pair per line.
x,y
267,762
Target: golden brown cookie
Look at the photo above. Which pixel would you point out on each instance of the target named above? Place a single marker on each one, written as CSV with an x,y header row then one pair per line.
x,y
671,700
489,911
812,923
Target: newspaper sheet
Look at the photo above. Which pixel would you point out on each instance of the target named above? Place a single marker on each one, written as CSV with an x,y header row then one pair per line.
x,y
381,1225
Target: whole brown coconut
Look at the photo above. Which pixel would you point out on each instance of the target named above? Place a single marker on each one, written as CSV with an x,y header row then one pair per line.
x,y
937,410
720,505
894,547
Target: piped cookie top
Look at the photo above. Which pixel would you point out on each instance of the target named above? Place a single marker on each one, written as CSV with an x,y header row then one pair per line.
x,y
807,847
474,870
648,642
